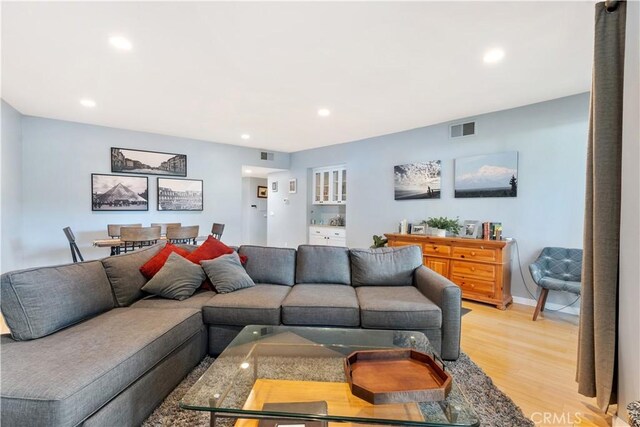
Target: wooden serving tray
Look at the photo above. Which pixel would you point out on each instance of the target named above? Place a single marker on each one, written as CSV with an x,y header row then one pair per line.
x,y
396,376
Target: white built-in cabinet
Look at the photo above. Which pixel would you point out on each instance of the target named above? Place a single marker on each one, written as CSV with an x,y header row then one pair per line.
x,y
327,236
330,185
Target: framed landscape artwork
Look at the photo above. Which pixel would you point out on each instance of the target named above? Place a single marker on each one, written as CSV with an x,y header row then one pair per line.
x,y
489,175
119,193
148,162
262,192
180,194
417,180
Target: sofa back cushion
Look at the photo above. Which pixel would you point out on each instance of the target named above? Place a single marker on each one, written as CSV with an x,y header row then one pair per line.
x,y
276,266
40,301
323,264
125,276
385,266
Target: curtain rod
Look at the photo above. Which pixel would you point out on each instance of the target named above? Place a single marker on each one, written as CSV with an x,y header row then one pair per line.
x,y
611,5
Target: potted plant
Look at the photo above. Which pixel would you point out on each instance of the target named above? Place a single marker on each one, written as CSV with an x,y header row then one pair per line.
x,y
441,225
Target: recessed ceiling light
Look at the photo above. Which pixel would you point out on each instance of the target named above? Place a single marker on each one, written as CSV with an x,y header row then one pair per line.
x,y
89,103
120,42
493,55
248,171
323,112
245,136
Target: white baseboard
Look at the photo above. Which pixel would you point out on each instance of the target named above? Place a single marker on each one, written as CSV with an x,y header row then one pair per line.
x,y
551,306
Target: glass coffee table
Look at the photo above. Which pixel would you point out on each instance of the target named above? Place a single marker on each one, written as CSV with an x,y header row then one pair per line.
x,y
273,376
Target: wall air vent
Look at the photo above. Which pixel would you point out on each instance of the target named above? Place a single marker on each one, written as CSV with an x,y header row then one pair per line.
x,y
266,155
462,129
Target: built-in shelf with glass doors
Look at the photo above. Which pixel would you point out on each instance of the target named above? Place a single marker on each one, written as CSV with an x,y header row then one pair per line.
x,y
330,185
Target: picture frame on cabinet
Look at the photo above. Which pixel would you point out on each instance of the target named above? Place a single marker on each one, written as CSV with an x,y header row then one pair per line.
x,y
293,186
274,187
471,229
262,191
418,229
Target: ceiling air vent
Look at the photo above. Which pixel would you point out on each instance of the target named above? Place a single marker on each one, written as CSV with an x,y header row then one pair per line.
x,y
462,129
266,156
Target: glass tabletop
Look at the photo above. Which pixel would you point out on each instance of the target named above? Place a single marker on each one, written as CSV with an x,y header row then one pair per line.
x,y
298,372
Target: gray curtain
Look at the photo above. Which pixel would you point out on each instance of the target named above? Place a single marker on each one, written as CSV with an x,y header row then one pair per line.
x,y
596,373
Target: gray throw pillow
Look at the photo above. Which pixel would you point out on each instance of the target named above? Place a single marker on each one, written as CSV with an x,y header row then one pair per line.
x,y
227,273
178,279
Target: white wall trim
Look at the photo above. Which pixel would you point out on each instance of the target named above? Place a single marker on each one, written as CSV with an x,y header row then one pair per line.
x,y
551,306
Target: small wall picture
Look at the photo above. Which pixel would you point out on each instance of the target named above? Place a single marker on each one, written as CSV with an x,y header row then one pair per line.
x,y
179,194
274,187
418,229
471,229
119,193
148,162
489,175
293,186
262,192
417,181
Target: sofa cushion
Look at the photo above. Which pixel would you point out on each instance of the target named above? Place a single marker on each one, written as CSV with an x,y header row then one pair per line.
x,y
385,266
396,307
125,276
259,305
323,264
227,274
62,379
151,267
270,265
212,248
178,279
560,285
321,305
197,300
40,301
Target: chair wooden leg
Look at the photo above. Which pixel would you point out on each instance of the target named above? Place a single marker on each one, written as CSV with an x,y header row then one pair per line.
x,y
542,299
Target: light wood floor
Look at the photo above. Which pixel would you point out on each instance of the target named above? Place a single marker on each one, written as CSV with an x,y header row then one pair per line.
x,y
534,363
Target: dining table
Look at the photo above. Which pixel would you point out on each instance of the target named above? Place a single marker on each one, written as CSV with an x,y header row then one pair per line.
x,y
115,243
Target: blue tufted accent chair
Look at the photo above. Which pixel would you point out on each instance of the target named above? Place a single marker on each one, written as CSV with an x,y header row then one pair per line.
x,y
556,269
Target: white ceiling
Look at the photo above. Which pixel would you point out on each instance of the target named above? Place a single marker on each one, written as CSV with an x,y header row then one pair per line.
x,y
214,71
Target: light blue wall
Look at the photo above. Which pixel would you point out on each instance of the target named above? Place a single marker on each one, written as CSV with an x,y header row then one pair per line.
x,y
11,199
550,138
59,157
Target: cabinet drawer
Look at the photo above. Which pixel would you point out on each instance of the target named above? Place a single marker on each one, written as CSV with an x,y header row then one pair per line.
x,y
473,270
474,286
435,249
327,232
479,254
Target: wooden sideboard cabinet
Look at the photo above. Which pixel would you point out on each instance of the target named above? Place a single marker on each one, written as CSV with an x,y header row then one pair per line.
x,y
482,268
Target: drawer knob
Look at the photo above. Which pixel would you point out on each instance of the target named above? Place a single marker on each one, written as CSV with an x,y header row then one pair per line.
x,y
473,254
473,269
461,256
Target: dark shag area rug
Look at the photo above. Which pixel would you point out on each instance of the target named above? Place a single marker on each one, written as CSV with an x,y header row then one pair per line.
x,y
493,407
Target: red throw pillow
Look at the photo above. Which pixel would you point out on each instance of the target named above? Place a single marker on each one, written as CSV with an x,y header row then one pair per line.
x,y
151,267
210,249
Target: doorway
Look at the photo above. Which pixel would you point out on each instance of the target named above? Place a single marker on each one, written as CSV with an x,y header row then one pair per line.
x,y
254,204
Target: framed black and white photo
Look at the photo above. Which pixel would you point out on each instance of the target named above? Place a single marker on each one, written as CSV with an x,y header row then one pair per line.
x,y
179,194
417,180
262,192
418,229
148,162
274,187
471,229
293,186
119,193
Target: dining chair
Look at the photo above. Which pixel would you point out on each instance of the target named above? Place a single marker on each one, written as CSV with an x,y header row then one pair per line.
x,y
217,230
75,252
180,234
137,237
113,230
164,225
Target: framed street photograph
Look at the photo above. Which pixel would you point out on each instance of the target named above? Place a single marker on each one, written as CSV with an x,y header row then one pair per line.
x,y
180,194
119,193
262,192
148,162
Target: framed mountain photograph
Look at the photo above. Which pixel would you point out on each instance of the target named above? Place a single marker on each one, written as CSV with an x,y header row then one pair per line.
x,y
119,193
489,175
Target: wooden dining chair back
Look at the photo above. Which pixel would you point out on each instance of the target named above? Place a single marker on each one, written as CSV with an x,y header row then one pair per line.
x,y
186,234
113,230
137,237
216,230
164,226
75,252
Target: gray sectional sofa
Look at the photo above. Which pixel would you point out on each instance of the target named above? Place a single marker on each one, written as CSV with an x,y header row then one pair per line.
x,y
88,347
